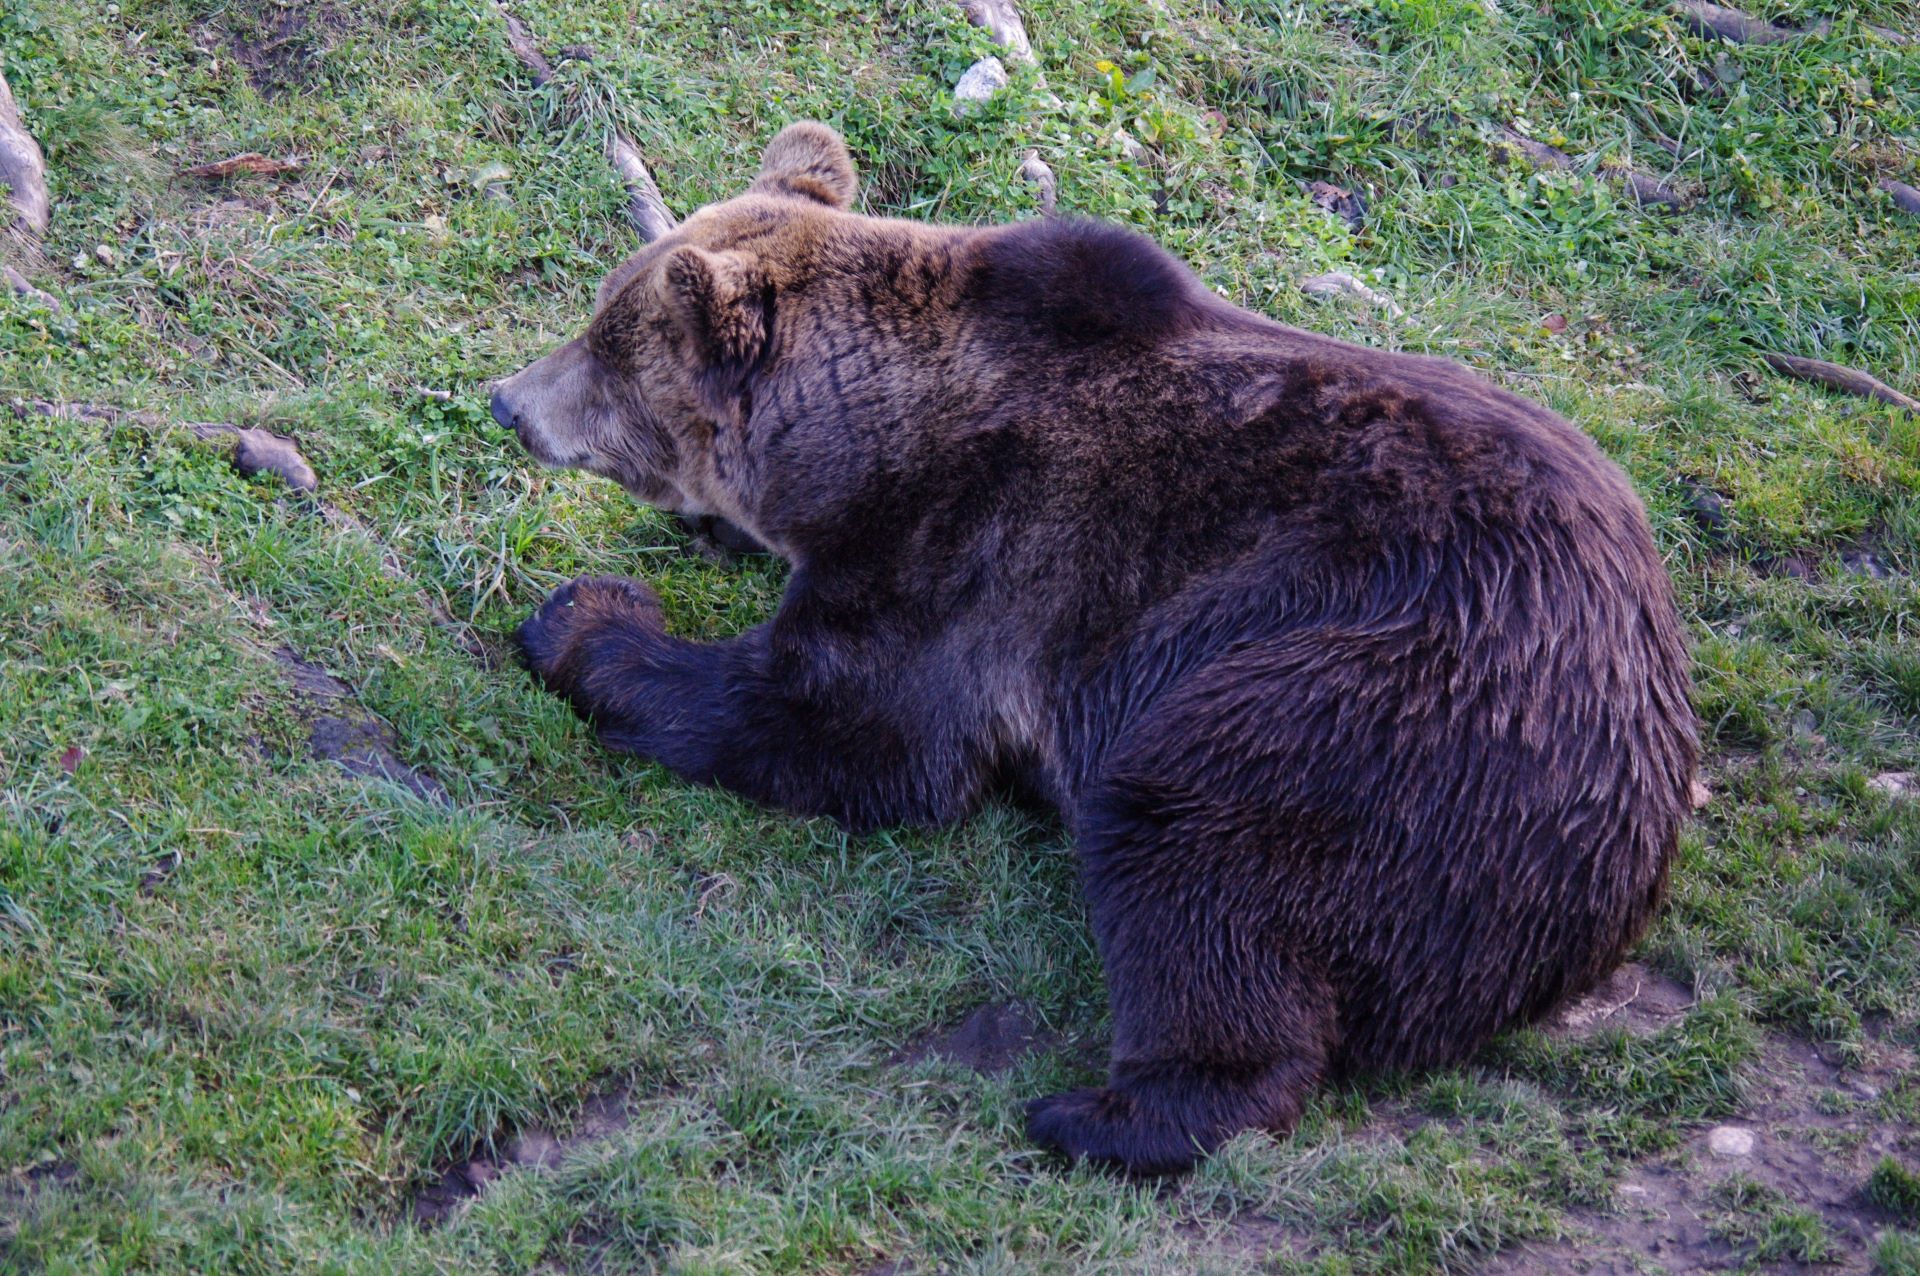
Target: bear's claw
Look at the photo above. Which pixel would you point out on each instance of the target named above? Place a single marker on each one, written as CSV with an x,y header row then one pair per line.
x,y
548,639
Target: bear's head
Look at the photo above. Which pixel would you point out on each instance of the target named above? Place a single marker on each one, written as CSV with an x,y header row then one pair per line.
x,y
645,395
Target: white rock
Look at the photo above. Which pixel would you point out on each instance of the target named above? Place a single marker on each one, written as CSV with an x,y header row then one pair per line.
x,y
1730,1140
1892,783
1701,795
1129,148
982,80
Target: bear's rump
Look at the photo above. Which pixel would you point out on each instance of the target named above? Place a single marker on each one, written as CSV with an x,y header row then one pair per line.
x,y
1457,844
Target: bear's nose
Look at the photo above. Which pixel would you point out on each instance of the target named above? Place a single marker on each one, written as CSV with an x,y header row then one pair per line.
x,y
503,412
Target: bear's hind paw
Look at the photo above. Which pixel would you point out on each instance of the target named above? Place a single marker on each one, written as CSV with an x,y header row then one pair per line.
x,y
1105,1126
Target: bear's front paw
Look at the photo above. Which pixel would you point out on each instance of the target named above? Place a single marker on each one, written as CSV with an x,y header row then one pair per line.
x,y
1111,1127
550,639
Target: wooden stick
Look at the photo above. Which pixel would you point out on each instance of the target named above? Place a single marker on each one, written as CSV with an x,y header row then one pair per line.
x,y
23,169
1035,172
646,209
1648,192
520,41
1735,27
255,451
1836,377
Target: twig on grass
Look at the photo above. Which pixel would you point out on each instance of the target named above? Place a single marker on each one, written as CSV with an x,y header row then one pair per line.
x,y
646,209
1838,377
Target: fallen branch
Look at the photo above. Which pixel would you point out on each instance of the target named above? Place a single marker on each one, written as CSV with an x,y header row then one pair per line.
x,y
20,286
1837,377
259,451
999,19
23,170
1648,192
1719,22
255,451
1034,171
1651,192
645,208
520,42
246,162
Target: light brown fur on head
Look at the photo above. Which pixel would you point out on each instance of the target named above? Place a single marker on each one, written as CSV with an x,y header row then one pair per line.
x,y
639,397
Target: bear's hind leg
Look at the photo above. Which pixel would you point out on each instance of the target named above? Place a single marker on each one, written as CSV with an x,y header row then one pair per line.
x,y
1217,1028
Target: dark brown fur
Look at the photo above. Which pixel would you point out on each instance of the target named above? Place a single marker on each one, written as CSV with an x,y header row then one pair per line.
x,y
1357,680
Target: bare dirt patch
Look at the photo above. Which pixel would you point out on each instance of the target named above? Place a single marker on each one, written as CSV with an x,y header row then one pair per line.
x,y
1635,997
534,1148
990,1040
278,45
341,730
1807,1136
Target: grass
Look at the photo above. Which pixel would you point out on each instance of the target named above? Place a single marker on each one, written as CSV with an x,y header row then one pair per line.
x,y
249,1006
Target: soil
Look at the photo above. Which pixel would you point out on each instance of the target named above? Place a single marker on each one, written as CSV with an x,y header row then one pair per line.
x,y
991,1040
279,45
601,1117
1813,1132
340,730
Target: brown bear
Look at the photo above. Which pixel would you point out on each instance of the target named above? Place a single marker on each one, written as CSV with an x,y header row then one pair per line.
x,y
1356,679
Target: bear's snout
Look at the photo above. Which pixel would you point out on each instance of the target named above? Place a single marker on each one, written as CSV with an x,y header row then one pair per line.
x,y
504,413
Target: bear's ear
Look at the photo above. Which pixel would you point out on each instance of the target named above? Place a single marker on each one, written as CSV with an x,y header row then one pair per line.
x,y
808,161
724,316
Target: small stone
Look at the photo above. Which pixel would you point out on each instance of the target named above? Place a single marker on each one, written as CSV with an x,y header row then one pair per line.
x,y
103,254
1730,1141
1700,795
982,80
1905,197
1130,149
1892,783
1554,323
1708,507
